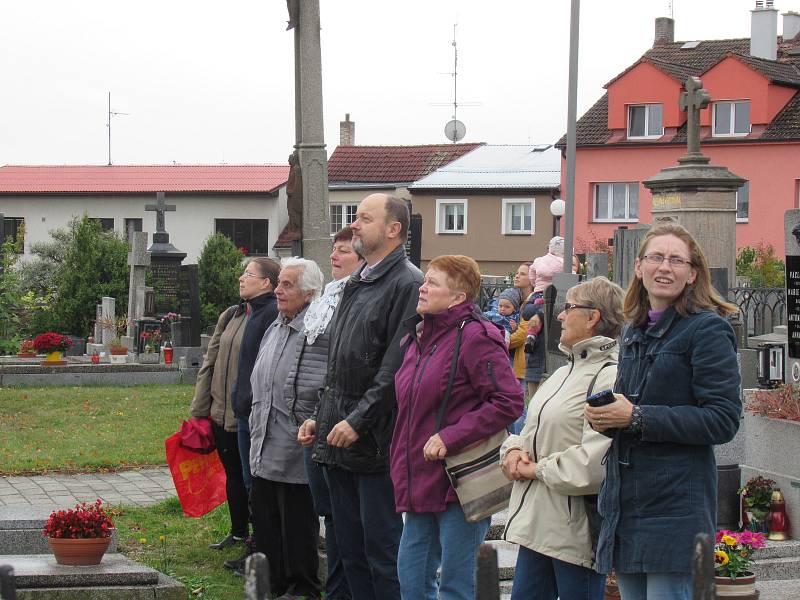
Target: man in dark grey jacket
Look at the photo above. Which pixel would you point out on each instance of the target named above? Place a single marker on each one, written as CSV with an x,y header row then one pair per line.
x,y
355,417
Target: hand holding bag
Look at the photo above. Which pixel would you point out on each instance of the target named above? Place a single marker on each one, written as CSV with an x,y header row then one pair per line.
x,y
475,473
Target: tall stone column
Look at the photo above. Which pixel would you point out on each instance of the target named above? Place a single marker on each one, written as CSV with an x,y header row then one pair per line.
x,y
310,139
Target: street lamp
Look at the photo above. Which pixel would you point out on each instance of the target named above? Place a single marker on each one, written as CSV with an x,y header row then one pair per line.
x,y
557,210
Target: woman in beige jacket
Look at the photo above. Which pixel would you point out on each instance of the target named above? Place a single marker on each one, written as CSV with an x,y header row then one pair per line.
x,y
555,461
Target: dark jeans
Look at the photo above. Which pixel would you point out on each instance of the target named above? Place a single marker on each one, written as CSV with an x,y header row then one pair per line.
x,y
368,531
287,532
336,587
243,426
228,450
540,577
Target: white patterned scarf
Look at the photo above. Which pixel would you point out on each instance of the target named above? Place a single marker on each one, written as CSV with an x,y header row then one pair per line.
x,y
321,310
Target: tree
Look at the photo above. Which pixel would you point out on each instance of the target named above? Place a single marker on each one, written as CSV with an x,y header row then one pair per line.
x,y
760,265
38,275
95,265
219,268
10,296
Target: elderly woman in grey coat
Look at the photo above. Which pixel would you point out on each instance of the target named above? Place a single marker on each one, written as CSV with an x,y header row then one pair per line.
x,y
284,393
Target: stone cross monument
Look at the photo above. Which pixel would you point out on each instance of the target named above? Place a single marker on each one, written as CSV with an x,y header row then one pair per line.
x,y
692,101
697,195
309,138
165,259
138,261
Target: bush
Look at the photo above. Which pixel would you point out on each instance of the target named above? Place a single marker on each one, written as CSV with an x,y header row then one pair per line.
x,y
219,266
95,265
760,265
10,297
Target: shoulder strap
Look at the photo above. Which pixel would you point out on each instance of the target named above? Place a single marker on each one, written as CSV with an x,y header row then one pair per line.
x,y
229,315
451,378
590,390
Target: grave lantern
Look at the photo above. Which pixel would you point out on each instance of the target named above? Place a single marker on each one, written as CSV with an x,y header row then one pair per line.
x,y
771,363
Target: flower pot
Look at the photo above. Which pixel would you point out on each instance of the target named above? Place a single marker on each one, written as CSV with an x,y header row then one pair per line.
x,y
149,358
119,359
742,588
26,355
79,552
53,359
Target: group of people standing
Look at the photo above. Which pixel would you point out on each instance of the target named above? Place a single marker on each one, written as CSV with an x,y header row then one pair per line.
x,y
343,400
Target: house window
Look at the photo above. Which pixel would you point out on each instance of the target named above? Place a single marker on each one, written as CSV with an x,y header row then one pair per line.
x,y
105,224
451,216
732,118
14,229
644,121
135,223
743,203
249,235
341,215
517,216
616,201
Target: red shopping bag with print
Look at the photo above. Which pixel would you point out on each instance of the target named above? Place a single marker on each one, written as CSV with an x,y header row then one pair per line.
x,y
199,478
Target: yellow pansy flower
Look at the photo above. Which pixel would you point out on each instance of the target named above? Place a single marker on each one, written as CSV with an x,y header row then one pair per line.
x,y
729,540
721,557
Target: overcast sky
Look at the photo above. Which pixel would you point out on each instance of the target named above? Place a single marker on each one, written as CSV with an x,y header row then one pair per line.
x,y
211,82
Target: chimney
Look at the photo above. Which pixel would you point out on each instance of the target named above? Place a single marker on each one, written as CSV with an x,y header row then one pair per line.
x,y
665,31
347,131
791,25
764,30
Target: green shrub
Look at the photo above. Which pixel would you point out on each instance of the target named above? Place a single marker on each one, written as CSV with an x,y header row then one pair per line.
x,y
95,265
219,266
10,296
760,265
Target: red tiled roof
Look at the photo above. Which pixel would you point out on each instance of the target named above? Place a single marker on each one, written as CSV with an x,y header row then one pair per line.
x,y
287,238
142,178
391,164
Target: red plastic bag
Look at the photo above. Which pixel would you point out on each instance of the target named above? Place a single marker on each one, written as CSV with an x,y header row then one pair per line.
x,y
199,478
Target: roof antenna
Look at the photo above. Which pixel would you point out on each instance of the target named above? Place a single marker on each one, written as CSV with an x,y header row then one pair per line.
x,y
671,12
111,113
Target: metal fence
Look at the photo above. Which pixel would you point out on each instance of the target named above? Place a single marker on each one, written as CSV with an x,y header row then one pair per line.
x,y
761,308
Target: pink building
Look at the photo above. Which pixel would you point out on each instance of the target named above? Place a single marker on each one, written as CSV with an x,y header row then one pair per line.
x,y
752,126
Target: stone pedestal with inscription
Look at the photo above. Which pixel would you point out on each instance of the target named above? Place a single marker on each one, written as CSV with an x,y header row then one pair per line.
x,y
791,222
165,260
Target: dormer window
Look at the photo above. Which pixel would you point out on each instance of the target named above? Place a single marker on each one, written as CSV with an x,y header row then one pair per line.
x,y
731,118
644,121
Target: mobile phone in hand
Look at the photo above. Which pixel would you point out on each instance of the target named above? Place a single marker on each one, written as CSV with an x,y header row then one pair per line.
x,y
601,398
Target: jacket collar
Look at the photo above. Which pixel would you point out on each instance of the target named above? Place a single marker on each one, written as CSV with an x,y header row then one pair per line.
x,y
446,319
658,330
388,261
296,323
592,349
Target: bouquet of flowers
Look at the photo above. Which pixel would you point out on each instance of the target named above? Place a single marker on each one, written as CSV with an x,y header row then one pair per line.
x,y
170,317
27,347
151,339
756,495
734,552
86,521
51,342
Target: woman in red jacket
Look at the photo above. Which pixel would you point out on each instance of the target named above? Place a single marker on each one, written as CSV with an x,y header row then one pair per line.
x,y
485,398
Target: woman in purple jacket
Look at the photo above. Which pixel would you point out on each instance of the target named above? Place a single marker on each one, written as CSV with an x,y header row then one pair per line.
x,y
485,398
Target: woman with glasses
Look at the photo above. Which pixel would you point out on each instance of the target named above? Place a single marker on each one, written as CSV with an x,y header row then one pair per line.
x,y
225,376
556,460
677,396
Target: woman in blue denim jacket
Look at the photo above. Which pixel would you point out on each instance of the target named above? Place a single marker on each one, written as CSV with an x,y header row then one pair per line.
x,y
677,395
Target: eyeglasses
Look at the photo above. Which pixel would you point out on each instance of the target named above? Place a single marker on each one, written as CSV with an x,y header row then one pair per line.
x,y
674,261
249,274
569,306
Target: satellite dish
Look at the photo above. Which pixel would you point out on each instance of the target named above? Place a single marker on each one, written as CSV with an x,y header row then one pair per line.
x,y
455,130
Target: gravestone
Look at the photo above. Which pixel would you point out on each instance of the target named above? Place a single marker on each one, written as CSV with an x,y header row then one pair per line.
x,y
596,265
108,305
138,261
165,260
791,236
189,301
699,196
97,346
626,248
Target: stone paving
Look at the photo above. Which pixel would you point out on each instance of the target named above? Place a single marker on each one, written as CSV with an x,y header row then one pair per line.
x,y
138,487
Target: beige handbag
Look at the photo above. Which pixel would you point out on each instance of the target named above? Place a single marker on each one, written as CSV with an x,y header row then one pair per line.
x,y
475,473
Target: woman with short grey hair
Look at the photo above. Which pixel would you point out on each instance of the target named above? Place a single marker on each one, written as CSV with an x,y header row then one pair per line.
x,y
284,521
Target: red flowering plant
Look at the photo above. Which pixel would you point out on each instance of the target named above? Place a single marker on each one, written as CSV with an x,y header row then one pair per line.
x,y
86,521
151,339
734,552
27,347
51,342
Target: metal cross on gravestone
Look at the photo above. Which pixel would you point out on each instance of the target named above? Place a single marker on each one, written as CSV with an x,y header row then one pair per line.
x,y
160,208
693,100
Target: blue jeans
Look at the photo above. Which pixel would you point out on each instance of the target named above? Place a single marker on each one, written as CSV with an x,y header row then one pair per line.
x,y
336,587
655,586
517,425
243,433
433,539
368,532
540,577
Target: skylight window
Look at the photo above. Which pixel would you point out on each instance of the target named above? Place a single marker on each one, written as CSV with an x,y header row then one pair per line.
x,y
690,45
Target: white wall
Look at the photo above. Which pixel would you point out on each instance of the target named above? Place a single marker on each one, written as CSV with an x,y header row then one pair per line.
x,y
188,226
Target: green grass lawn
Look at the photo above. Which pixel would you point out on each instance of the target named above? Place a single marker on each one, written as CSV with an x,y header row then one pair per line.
x,y
160,537
88,428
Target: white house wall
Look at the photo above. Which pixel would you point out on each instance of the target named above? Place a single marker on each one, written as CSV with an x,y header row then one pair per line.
x,y
188,226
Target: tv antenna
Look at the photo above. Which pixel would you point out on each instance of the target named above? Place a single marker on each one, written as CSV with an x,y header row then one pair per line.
x,y
111,113
455,130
